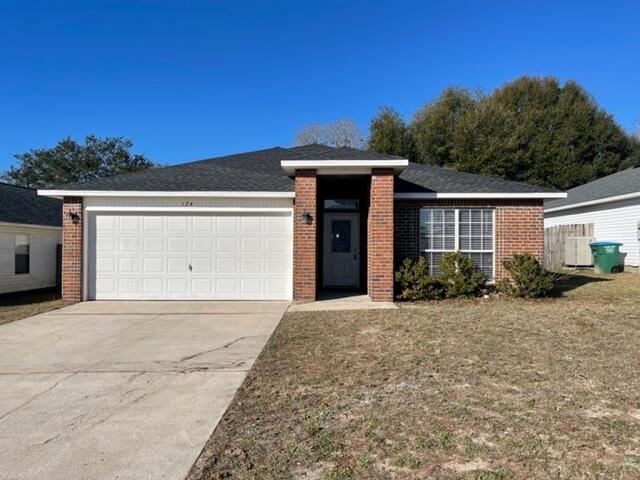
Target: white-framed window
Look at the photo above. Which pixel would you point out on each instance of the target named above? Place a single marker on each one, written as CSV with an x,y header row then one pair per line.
x,y
22,254
468,230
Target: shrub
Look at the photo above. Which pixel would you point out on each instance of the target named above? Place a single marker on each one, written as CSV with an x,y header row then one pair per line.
x,y
415,282
460,276
529,279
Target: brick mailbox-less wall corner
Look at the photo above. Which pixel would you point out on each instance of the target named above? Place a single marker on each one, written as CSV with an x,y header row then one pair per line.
x,y
72,250
380,237
304,236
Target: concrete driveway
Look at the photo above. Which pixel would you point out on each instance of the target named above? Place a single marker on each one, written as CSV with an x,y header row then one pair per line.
x,y
122,390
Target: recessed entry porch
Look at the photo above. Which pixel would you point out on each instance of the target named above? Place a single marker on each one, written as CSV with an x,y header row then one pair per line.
x,y
341,242
343,233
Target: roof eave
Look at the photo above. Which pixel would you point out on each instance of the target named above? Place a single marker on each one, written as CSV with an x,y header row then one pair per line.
x,y
479,195
343,167
138,193
599,201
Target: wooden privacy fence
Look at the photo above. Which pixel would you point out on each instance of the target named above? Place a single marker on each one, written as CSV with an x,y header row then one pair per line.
x,y
555,239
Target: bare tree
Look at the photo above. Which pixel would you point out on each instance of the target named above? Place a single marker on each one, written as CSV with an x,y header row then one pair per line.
x,y
341,133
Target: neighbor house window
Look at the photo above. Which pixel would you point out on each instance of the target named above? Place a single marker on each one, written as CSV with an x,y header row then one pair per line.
x,y
468,230
22,254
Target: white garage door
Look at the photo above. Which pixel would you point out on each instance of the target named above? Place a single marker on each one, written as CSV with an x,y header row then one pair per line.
x,y
209,256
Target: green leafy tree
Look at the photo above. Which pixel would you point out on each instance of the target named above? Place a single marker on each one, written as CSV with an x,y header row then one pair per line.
x,y
535,130
70,162
389,134
532,129
434,124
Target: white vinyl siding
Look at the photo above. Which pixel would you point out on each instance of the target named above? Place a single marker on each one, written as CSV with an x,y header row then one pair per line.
x,y
615,221
42,258
468,230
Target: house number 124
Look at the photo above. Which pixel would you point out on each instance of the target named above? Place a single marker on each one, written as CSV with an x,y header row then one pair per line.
x,y
186,203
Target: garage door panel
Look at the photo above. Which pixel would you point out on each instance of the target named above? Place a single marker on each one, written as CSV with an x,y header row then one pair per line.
x,y
153,224
152,286
177,265
251,245
153,244
204,256
128,286
129,224
177,223
202,244
153,265
226,224
128,244
178,245
128,265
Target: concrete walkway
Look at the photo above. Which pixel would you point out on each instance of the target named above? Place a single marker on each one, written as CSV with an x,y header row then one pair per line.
x,y
122,390
341,301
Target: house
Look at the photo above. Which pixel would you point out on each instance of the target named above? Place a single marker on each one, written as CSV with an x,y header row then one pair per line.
x,y
282,223
30,232
611,204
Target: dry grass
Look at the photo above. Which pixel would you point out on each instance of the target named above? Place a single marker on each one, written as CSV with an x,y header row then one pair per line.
x,y
479,389
22,305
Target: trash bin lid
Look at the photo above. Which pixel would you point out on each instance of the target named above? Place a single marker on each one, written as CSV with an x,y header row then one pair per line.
x,y
605,243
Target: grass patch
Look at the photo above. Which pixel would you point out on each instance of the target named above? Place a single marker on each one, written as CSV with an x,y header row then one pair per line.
x,y
21,305
478,389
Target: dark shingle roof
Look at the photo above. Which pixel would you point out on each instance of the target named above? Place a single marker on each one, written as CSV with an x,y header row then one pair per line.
x,y
23,205
261,171
418,177
620,183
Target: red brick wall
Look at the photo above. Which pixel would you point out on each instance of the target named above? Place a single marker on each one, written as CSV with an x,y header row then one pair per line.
x,y
72,251
380,237
304,237
519,227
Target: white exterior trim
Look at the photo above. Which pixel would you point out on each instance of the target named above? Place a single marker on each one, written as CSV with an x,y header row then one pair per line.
x,y
29,225
117,193
186,210
341,167
434,195
599,201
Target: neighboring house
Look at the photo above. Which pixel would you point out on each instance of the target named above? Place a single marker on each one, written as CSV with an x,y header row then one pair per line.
x,y
30,232
611,204
282,223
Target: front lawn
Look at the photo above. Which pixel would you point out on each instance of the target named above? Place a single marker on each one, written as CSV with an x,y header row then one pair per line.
x,y
470,389
20,305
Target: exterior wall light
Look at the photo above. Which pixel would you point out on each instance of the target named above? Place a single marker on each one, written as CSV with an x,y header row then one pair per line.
x,y
73,217
306,216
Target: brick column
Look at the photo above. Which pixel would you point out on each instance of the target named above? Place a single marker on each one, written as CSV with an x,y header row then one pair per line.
x,y
72,251
519,228
304,237
380,237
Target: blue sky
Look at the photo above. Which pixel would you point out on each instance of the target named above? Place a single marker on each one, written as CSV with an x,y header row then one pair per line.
x,y
191,79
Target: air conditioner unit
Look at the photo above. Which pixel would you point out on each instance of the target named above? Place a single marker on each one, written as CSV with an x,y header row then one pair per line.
x,y
577,252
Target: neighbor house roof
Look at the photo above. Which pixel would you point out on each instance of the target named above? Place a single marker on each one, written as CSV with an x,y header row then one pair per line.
x,y
261,171
24,206
618,186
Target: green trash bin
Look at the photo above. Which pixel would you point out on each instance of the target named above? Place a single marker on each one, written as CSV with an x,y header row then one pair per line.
x,y
605,256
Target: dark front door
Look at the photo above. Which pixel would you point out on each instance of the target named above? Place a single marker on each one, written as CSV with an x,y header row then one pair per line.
x,y
341,250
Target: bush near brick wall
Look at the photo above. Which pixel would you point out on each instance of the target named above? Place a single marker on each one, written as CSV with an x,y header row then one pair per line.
x,y
519,227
